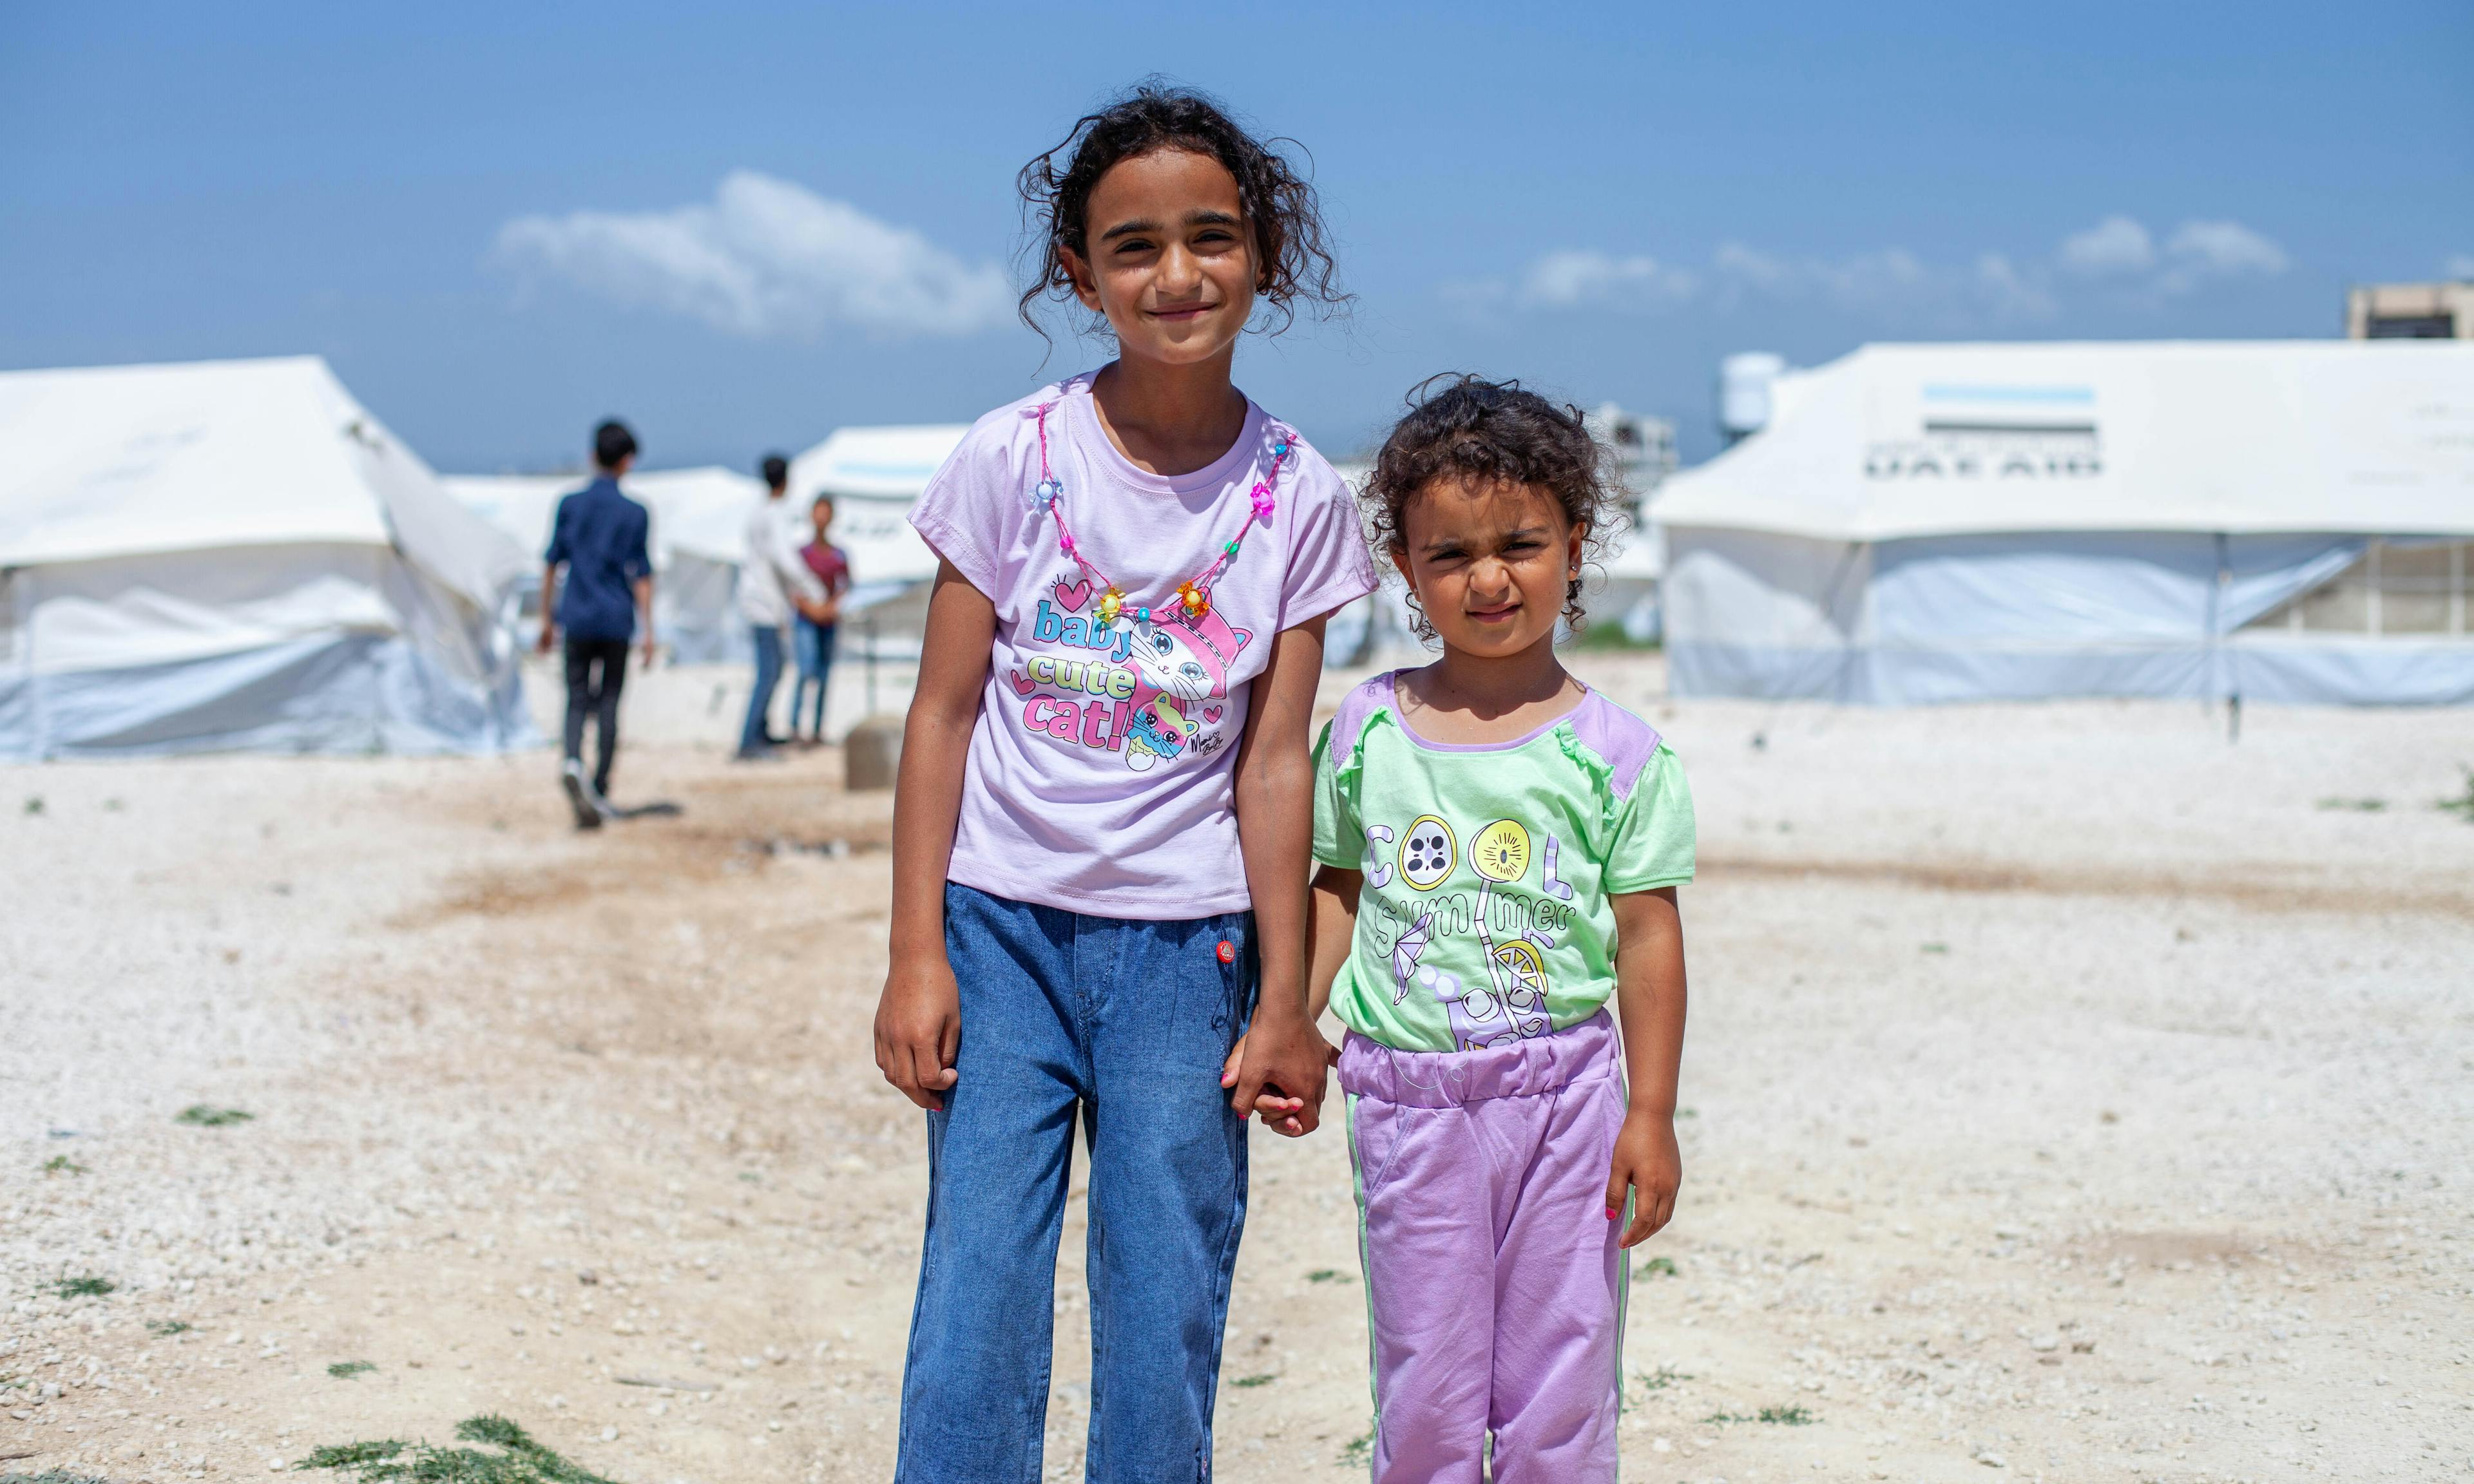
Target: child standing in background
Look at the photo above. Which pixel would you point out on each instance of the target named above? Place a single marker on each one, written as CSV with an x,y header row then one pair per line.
x,y
813,641
1101,818
1500,847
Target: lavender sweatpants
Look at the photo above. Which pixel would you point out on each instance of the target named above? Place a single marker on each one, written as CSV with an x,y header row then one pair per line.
x,y
1494,1287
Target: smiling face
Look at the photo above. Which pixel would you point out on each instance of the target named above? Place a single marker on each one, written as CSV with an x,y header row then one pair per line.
x,y
1489,563
1171,262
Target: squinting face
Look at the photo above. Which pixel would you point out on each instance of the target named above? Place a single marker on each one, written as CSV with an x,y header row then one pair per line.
x,y
1171,260
1489,564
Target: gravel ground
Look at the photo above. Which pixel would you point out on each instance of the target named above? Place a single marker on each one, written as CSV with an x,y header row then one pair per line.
x,y
2070,1093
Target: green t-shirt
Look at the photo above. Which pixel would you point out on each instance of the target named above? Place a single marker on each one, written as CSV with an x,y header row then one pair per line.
x,y
1485,913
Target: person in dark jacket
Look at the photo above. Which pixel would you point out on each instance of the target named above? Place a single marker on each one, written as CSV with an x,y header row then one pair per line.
x,y
599,537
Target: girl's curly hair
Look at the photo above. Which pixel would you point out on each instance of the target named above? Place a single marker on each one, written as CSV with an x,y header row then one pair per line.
x,y
1491,432
1290,240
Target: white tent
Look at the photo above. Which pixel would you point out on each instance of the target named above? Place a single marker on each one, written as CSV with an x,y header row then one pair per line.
x,y
698,539
2276,520
236,555
874,474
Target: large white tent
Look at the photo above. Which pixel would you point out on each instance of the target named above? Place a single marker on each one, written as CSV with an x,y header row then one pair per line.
x,y
698,539
237,554
2272,520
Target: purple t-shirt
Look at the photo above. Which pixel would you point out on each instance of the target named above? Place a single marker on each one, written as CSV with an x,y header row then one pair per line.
x,y
1099,774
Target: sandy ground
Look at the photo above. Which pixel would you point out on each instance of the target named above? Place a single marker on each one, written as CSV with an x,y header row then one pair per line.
x,y
2070,1094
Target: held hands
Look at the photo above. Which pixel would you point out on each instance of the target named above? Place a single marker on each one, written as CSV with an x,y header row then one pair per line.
x,y
1277,1069
1647,1161
919,1029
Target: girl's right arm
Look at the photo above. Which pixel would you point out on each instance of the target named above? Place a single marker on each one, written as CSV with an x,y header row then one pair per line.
x,y
919,1017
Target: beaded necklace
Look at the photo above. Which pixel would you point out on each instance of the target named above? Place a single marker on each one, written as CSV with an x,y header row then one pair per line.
x,y
1193,594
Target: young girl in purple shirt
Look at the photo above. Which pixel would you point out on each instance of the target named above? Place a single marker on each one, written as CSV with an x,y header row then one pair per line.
x,y
1101,817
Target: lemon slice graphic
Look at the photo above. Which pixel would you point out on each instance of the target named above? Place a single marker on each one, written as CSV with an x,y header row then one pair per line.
x,y
1500,852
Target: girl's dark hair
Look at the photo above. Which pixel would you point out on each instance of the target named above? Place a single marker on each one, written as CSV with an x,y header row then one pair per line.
x,y
1491,432
1290,240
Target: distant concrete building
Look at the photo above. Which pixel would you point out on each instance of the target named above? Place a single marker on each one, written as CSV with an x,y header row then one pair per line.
x,y
1644,446
2410,311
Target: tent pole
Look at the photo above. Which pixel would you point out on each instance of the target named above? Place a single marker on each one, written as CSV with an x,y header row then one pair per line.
x,y
2220,681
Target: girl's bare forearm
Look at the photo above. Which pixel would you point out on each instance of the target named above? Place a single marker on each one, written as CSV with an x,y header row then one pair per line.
x,y
926,805
936,747
1274,797
1275,810
1650,997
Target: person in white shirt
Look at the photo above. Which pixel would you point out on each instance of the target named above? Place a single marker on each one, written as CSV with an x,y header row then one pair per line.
x,y
773,583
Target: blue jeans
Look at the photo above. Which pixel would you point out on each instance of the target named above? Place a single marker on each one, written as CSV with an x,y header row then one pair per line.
x,y
1128,1021
769,677
813,645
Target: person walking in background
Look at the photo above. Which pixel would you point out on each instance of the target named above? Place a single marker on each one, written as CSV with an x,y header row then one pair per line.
x,y
813,643
773,585
598,536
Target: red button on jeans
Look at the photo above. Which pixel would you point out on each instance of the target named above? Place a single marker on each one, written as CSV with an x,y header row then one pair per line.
x,y
1227,951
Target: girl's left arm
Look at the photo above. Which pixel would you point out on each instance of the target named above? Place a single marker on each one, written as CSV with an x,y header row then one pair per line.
x,y
1275,788
1649,998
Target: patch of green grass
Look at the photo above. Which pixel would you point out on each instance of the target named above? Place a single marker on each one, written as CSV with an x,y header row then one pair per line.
x,y
518,1459
88,1288
1782,1416
34,804
166,1329
63,1164
206,1117
1360,1450
346,1370
2355,805
1327,1276
1933,947
1661,1379
1655,1267
1252,1382
2463,804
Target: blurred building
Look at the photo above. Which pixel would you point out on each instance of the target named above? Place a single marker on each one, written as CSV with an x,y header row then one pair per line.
x,y
2410,311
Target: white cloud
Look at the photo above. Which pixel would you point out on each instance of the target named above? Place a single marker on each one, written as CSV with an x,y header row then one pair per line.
x,y
2120,250
2460,266
2008,293
2116,246
1574,278
2118,257
2223,250
1868,282
765,258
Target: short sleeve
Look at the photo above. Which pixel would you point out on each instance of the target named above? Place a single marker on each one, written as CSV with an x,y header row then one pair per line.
x,y
1338,839
558,551
1329,563
1654,833
970,508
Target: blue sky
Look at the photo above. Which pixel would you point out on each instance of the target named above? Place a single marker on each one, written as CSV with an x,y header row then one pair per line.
x,y
741,225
